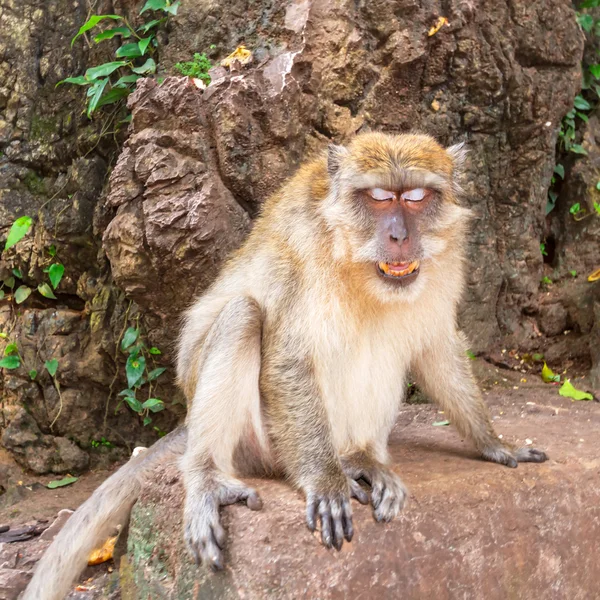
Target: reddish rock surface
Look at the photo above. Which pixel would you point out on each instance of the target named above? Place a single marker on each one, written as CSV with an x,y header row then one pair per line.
x,y
471,530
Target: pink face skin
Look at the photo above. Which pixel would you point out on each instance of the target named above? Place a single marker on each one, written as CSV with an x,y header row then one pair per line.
x,y
396,213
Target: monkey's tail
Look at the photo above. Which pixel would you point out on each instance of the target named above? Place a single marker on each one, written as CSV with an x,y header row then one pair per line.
x,y
90,525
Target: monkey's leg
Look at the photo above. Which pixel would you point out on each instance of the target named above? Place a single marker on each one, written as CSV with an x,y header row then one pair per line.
x,y
303,443
444,373
226,406
388,493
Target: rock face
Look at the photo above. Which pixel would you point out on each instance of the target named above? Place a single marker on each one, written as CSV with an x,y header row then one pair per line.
x,y
198,164
470,530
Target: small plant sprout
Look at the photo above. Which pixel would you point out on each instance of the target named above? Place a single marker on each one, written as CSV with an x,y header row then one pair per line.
x,y
140,375
112,82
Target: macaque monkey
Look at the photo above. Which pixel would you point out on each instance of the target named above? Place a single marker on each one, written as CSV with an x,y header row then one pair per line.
x,y
295,361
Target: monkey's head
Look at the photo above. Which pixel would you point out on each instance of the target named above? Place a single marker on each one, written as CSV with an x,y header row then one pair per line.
x,y
393,212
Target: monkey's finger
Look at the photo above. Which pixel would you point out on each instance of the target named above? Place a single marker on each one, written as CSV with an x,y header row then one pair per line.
x,y
347,520
357,492
383,512
338,527
253,500
325,515
376,493
530,455
219,534
311,512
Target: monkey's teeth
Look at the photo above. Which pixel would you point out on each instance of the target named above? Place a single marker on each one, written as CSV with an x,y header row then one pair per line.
x,y
396,269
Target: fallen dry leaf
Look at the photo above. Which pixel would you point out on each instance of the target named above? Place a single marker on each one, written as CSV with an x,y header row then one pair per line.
x,y
241,53
439,24
595,276
103,554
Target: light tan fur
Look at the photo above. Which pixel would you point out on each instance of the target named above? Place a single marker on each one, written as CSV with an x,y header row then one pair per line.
x,y
295,360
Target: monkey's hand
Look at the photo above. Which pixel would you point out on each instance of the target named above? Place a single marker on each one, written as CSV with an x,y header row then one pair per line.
x,y
332,508
204,534
512,456
388,494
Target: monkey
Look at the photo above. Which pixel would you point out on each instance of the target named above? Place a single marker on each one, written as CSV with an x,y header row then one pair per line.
x,y
295,359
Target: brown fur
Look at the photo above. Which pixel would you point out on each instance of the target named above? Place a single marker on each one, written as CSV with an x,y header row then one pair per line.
x,y
294,362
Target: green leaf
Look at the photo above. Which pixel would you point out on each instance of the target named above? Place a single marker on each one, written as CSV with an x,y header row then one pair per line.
x,y
61,482
92,22
595,71
81,80
147,421
18,231
129,337
156,373
113,96
597,208
52,250
55,273
103,70
573,273
135,405
172,10
11,349
148,67
154,405
128,51
98,91
17,273
441,423
154,350
143,44
32,374
560,170
126,79
568,390
3,335
589,4
153,5
150,24
134,368
9,282
45,290
110,33
586,22
548,375
581,103
578,149
51,366
10,362
576,208
126,393
1,294
583,117
543,249
547,280
22,293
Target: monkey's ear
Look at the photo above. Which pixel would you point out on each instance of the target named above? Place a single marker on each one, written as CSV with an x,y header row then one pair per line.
x,y
458,154
335,155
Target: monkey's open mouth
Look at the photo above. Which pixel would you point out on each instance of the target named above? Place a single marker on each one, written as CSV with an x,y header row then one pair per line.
x,y
398,270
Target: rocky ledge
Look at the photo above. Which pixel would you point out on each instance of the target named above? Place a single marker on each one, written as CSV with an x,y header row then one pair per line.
x,y
471,529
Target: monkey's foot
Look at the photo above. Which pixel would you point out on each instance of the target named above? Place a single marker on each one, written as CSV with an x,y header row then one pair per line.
x,y
511,458
203,532
334,512
388,494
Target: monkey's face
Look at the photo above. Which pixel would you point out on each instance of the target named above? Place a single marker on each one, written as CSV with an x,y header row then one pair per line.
x,y
392,209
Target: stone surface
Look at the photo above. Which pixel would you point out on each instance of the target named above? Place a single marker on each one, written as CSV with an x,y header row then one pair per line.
x,y
471,529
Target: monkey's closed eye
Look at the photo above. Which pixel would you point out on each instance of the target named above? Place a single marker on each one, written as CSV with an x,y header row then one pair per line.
x,y
379,194
415,195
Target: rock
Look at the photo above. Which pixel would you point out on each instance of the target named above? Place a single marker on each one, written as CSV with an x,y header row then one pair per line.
x,y
57,525
470,529
13,582
41,453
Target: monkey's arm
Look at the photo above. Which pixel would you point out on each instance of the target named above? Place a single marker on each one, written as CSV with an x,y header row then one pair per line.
x,y
304,447
444,373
